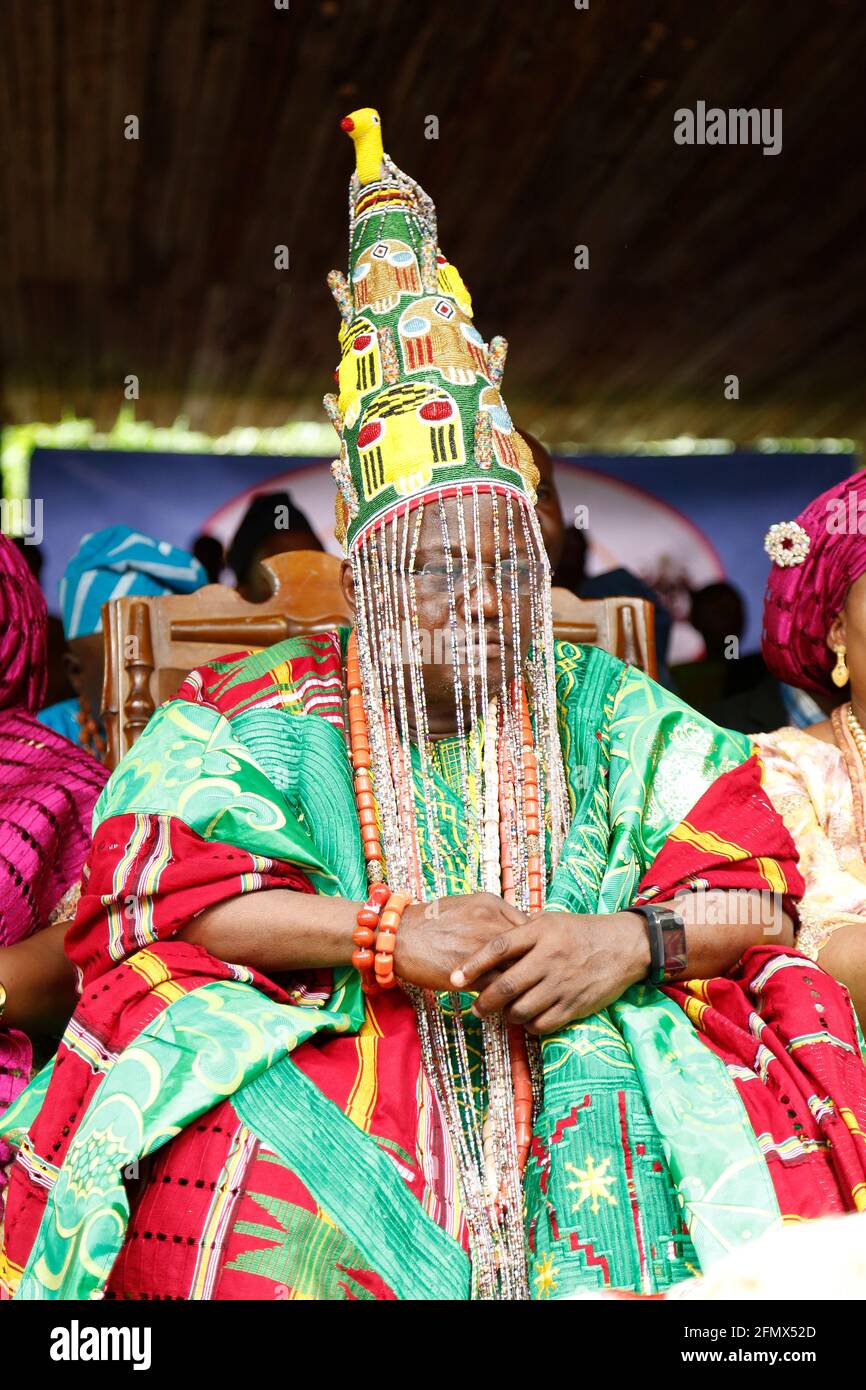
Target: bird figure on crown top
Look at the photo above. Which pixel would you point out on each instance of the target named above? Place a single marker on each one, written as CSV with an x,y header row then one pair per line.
x,y
365,130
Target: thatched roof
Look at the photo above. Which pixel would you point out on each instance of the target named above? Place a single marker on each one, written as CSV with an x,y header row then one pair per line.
x,y
155,256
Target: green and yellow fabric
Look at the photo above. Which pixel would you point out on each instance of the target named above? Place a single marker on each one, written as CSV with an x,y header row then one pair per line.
x,y
419,402
284,1132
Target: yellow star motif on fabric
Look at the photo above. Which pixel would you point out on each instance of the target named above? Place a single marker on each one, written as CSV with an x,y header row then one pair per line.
x,y
545,1283
593,1182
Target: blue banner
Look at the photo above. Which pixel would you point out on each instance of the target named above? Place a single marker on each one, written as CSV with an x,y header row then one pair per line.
x,y
678,522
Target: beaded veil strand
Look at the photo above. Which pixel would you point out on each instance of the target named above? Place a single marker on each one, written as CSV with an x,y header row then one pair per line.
x,y
428,449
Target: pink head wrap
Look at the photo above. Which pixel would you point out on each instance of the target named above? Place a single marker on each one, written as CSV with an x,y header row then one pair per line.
x,y
48,788
23,627
816,559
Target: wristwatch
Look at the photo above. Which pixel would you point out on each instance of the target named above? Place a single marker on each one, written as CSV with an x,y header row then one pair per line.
x,y
667,939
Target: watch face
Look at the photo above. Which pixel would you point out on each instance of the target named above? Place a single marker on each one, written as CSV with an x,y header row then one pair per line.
x,y
674,937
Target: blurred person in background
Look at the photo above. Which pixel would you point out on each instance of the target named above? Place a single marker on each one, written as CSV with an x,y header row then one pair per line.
x,y
209,552
58,687
271,525
718,614
567,548
48,789
737,691
814,639
112,563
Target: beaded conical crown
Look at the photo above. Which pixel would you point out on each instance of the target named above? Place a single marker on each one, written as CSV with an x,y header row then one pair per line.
x,y
419,403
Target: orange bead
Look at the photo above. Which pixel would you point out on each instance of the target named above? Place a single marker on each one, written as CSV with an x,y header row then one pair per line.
x,y
363,936
361,758
385,943
386,981
380,894
390,919
372,849
362,959
366,816
367,917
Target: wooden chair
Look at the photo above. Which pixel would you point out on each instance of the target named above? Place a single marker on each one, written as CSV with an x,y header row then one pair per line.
x,y
623,626
152,643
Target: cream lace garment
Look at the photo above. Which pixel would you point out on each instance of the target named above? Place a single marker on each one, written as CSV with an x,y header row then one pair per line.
x,y
808,783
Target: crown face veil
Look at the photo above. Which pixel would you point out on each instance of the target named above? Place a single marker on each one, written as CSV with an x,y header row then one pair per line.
x,y
430,465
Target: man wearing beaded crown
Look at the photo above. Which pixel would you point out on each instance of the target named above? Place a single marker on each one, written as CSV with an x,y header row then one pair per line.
x,y
398,975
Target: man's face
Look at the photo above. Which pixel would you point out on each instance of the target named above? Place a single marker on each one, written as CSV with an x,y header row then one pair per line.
x,y
475,606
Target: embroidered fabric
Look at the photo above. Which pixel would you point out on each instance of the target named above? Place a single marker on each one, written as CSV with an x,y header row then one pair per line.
x,y
64,910
809,784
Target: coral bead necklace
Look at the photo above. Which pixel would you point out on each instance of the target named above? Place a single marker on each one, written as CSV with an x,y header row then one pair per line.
x,y
383,909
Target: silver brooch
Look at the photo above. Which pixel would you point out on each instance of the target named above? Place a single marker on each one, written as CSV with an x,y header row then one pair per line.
x,y
787,543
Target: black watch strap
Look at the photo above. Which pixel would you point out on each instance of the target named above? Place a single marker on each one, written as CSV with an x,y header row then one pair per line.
x,y
667,940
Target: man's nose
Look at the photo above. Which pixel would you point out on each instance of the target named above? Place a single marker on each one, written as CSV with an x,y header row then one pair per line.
x,y
466,595
489,603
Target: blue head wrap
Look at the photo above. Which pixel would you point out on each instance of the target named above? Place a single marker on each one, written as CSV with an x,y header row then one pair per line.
x,y
118,561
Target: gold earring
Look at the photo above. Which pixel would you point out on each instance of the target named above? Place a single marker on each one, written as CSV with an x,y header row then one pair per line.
x,y
840,670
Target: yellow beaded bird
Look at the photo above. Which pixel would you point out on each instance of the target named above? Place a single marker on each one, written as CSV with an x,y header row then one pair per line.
x,y
365,129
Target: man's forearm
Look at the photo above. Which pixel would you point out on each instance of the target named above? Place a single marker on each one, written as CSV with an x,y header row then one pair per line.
x,y
721,924
39,981
277,930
